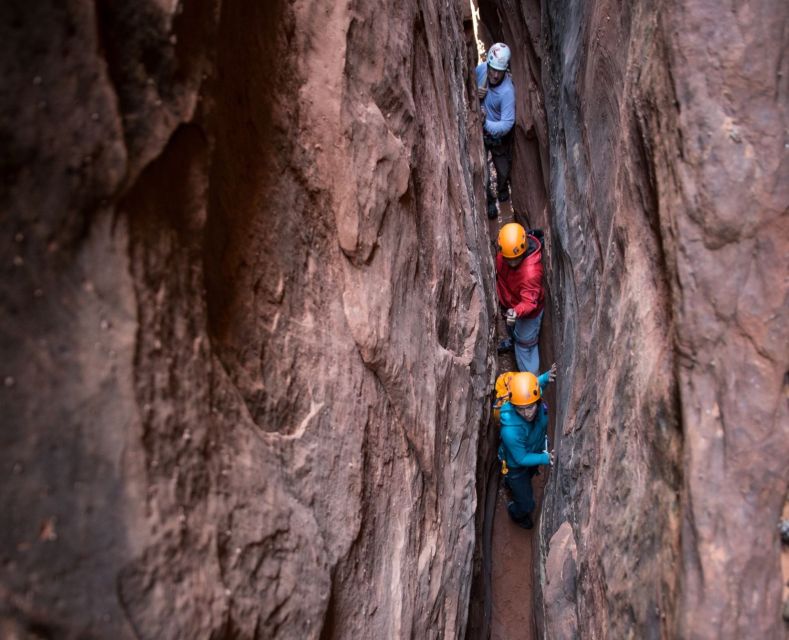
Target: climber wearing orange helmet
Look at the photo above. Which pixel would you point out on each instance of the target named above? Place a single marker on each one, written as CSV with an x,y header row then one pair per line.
x,y
521,296
502,388
524,442
497,97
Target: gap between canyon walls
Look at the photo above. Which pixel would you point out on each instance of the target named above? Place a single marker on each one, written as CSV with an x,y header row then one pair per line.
x,y
504,592
247,319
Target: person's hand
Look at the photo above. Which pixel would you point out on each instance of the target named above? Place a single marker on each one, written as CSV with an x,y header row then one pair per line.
x,y
553,457
482,92
511,317
484,113
552,373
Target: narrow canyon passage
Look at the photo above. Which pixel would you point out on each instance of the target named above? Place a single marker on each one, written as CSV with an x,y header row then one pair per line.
x,y
506,580
248,320
512,548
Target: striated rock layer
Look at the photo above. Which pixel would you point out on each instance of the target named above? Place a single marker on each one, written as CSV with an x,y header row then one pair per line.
x,y
245,328
668,185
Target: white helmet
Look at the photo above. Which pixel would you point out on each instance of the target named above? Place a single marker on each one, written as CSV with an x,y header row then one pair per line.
x,y
499,56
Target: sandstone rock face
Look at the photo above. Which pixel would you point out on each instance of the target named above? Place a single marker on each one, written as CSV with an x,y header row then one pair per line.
x,y
668,246
559,593
246,319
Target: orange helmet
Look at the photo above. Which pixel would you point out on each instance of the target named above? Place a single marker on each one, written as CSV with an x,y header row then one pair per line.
x,y
503,384
524,389
512,240
502,392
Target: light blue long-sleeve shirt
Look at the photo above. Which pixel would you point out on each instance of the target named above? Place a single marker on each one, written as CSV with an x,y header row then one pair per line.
x,y
499,103
523,443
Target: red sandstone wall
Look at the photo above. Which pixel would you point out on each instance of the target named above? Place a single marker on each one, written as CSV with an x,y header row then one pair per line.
x,y
668,189
246,320
246,316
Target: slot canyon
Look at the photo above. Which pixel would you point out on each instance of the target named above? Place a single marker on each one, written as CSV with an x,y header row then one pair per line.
x,y
249,326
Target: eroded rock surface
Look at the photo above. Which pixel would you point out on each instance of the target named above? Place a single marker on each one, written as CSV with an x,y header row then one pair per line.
x,y
245,331
669,238
559,592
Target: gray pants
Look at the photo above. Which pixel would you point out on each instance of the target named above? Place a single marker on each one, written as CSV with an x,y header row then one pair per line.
x,y
525,337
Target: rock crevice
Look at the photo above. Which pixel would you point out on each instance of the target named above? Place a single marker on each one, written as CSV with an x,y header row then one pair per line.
x,y
248,316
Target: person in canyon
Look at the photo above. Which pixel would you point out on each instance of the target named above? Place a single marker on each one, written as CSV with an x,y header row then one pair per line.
x,y
497,96
524,443
521,296
502,388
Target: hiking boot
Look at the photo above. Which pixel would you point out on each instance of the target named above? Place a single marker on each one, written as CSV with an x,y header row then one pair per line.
x,y
524,522
493,212
505,345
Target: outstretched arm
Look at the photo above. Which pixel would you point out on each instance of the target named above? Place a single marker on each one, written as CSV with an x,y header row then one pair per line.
x,y
549,376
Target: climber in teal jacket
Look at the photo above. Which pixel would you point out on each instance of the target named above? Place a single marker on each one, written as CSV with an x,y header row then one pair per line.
x,y
524,425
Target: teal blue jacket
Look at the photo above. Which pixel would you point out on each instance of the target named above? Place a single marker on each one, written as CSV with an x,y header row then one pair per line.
x,y
523,443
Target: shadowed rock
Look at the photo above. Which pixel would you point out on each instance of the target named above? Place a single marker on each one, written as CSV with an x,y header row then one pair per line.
x,y
245,331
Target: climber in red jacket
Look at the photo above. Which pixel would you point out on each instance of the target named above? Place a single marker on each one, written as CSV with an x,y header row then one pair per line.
x,y
520,291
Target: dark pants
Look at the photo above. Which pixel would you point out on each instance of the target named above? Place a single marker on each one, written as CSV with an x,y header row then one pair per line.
x,y
519,482
501,150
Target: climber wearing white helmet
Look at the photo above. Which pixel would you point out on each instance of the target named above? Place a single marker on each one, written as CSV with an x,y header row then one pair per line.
x,y
497,95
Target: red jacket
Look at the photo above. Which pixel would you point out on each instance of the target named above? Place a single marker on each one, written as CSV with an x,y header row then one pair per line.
x,y
521,288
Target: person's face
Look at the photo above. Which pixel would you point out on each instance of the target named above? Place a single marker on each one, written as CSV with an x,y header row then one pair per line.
x,y
514,263
494,76
528,412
